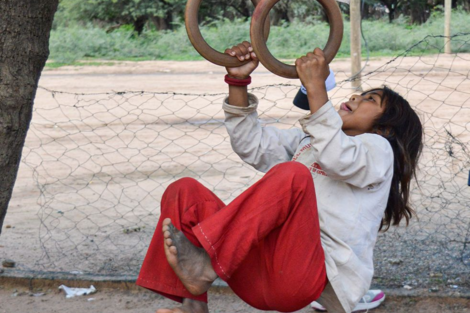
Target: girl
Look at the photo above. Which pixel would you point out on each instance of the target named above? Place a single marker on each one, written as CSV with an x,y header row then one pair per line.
x,y
289,239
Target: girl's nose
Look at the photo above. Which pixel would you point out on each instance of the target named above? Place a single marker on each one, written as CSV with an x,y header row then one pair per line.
x,y
354,97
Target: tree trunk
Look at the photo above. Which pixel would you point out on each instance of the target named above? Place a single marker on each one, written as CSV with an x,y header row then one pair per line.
x,y
418,12
244,9
139,24
24,39
280,13
391,15
466,5
163,23
392,7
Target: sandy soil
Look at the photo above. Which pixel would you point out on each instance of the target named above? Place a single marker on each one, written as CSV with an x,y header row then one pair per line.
x,y
115,301
19,240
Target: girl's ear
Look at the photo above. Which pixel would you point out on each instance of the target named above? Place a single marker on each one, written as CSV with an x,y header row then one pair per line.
x,y
384,131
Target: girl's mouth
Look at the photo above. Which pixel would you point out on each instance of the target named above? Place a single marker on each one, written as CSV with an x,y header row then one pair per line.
x,y
345,107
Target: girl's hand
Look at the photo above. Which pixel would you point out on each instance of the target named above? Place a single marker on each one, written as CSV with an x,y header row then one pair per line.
x,y
313,69
243,52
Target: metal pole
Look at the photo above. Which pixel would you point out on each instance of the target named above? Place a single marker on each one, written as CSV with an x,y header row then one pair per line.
x,y
448,13
355,21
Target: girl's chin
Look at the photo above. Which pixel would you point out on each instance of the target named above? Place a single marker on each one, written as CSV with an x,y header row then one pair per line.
x,y
343,113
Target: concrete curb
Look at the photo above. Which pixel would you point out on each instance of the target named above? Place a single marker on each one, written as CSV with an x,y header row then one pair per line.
x,y
34,280
41,280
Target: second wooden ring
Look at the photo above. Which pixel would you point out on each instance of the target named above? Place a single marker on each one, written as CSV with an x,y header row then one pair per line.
x,y
274,65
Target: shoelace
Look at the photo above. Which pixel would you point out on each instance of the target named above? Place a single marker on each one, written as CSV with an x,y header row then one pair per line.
x,y
365,301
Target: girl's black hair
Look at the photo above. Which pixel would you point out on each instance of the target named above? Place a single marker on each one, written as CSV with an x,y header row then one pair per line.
x,y
401,126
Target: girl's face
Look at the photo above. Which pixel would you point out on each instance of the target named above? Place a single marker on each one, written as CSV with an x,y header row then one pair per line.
x,y
360,112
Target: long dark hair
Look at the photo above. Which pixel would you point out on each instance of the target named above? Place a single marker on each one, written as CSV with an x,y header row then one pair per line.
x,y
401,126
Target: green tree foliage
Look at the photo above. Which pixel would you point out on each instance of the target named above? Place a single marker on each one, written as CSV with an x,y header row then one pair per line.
x,y
165,14
306,11
120,12
419,11
161,13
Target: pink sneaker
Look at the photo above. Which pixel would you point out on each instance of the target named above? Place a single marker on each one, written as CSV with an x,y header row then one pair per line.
x,y
371,300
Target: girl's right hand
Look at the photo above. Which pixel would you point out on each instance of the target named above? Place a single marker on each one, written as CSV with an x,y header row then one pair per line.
x,y
313,70
243,52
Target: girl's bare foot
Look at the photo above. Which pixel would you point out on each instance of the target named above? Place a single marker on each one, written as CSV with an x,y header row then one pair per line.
x,y
191,264
189,306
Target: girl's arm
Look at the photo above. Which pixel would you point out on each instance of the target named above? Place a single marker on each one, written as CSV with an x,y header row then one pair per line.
x,y
364,160
261,147
313,72
238,95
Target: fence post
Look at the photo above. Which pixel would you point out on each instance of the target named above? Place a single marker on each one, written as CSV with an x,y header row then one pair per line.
x,y
448,14
355,22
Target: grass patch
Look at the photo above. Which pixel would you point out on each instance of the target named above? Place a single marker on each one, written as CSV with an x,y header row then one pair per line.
x,y
70,44
52,64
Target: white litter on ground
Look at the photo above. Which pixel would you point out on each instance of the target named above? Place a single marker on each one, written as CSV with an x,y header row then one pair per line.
x,y
73,292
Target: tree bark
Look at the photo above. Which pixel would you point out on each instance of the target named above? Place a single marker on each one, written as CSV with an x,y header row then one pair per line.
x,y
392,7
280,13
24,39
391,15
139,24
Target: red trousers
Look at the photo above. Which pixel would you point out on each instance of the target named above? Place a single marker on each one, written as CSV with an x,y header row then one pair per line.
x,y
265,244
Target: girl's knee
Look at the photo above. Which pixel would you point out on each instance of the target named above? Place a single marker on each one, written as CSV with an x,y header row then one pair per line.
x,y
293,170
182,184
179,190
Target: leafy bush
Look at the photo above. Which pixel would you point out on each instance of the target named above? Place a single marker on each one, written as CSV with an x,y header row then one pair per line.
x,y
69,44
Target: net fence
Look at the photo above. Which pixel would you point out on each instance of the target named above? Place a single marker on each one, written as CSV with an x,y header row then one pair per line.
x,y
101,162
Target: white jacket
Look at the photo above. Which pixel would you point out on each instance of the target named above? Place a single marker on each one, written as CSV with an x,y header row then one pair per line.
x,y
352,177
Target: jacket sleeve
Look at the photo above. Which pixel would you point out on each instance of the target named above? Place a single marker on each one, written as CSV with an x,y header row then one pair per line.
x,y
261,147
361,160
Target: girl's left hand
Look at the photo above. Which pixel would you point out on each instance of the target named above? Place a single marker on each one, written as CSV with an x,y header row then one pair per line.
x,y
312,69
243,51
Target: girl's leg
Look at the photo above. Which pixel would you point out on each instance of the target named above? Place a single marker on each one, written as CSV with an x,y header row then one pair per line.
x,y
266,243
185,202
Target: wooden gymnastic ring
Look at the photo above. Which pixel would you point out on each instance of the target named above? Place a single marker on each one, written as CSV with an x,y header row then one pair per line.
x,y
195,36
274,65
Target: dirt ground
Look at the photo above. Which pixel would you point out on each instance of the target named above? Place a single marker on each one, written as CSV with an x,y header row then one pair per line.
x,y
116,301
22,220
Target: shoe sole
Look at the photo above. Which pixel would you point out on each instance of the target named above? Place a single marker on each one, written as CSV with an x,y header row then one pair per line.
x,y
360,306
368,306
